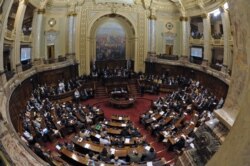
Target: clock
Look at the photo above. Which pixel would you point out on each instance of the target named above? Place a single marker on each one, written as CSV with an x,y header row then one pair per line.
x,y
52,22
169,26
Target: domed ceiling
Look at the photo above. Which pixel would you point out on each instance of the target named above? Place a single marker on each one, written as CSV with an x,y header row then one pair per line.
x,y
184,7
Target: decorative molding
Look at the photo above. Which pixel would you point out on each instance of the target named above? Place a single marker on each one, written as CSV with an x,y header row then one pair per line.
x,y
51,36
40,11
169,37
182,18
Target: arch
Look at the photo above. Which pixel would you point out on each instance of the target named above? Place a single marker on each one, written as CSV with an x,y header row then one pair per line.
x,y
119,21
91,30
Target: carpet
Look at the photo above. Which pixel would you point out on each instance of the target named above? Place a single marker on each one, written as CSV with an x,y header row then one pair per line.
x,y
141,105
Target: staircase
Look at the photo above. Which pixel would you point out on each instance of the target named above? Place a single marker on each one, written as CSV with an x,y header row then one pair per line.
x,y
134,90
100,91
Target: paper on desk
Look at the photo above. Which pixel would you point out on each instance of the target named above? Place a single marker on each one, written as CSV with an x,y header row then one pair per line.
x,y
98,136
165,133
58,147
150,163
147,148
127,140
112,150
79,139
87,145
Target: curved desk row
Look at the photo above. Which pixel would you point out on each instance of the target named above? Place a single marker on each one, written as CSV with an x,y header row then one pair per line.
x,y
77,159
71,92
122,103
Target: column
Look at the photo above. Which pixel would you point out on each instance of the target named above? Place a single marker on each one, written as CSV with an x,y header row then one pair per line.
x,y
16,62
226,38
206,39
185,33
37,36
71,33
152,34
6,7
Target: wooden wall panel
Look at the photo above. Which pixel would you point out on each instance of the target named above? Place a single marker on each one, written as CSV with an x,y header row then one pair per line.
x,y
215,85
23,91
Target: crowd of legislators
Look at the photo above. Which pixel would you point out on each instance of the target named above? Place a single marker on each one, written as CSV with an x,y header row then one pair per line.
x,y
104,73
178,110
44,121
62,87
152,83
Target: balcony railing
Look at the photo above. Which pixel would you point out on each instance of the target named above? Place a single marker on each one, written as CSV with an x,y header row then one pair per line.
x,y
9,35
198,41
26,38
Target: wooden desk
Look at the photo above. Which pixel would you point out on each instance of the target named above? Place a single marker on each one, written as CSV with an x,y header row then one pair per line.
x,y
186,130
116,124
123,152
113,131
120,118
122,103
165,121
80,117
56,120
75,157
89,145
154,118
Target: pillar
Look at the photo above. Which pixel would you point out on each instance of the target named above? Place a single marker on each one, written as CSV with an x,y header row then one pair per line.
x,y
38,35
71,33
152,33
226,37
206,39
16,60
185,33
6,6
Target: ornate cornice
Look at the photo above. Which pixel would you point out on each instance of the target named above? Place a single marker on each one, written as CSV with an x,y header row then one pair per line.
x,y
24,1
40,11
182,18
152,17
72,14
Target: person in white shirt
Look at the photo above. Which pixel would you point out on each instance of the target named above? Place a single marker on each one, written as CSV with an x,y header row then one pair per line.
x,y
77,96
61,87
104,141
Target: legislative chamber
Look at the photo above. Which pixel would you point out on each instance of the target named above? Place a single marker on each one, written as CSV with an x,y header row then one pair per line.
x,y
124,82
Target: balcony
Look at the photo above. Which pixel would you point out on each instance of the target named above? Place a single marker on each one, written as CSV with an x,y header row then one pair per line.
x,y
196,41
10,35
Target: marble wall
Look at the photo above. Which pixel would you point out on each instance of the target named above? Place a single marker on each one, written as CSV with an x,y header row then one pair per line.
x,y
236,148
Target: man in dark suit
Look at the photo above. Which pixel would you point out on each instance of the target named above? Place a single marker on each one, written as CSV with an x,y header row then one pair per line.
x,y
149,155
135,157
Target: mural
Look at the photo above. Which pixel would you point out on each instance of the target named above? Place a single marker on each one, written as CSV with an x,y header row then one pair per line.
x,y
110,42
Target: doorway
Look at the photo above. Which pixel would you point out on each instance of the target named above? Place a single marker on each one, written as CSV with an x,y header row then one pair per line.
x,y
169,49
51,51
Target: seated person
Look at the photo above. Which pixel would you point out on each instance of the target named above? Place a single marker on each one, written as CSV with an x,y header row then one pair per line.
x,y
70,146
104,140
135,156
178,145
149,155
28,136
84,94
